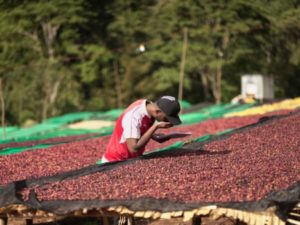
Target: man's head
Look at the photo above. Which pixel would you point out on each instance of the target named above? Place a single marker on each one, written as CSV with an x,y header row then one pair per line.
x,y
167,110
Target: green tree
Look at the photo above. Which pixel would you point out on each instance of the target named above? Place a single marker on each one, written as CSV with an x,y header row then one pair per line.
x,y
38,37
62,56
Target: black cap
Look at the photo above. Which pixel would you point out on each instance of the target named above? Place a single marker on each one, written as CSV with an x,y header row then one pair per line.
x,y
171,107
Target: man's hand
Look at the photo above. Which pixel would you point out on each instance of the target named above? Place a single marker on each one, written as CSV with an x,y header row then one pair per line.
x,y
160,138
134,145
163,125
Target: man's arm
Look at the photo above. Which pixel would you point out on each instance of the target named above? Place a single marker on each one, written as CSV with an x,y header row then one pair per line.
x,y
134,145
160,138
165,137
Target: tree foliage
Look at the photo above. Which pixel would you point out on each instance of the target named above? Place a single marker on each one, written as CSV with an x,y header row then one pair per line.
x,y
64,56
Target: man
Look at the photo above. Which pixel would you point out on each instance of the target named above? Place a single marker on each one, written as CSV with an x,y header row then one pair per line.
x,y
135,127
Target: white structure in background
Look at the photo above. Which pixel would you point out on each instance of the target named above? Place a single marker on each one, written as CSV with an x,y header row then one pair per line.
x,y
257,86
142,48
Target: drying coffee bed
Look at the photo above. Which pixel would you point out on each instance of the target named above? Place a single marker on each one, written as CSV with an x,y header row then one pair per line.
x,y
75,155
241,168
219,171
49,161
254,180
211,126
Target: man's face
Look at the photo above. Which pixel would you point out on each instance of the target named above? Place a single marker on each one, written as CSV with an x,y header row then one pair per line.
x,y
160,116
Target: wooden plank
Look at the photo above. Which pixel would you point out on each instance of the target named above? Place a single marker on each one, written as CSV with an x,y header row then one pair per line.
x,y
16,221
105,220
207,220
2,221
174,221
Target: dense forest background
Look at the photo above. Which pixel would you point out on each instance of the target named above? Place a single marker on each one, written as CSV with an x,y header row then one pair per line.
x,y
87,55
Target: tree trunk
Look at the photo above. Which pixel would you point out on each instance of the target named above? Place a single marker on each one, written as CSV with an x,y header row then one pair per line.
x,y
219,70
214,86
221,50
50,93
118,85
54,94
45,105
49,34
205,84
2,109
218,81
51,90
214,79
182,64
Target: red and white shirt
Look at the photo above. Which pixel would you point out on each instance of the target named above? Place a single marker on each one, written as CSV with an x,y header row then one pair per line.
x,y
132,123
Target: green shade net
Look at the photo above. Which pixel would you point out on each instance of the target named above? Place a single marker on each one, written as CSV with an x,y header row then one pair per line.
x,y
184,104
56,127
14,150
211,112
8,129
28,132
4,132
71,117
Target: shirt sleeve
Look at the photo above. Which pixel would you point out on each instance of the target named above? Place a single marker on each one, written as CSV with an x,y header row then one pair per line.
x,y
131,126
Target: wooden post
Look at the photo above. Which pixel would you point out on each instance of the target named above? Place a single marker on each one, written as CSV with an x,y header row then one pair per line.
x,y
105,220
122,220
173,221
2,221
130,221
196,220
16,221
